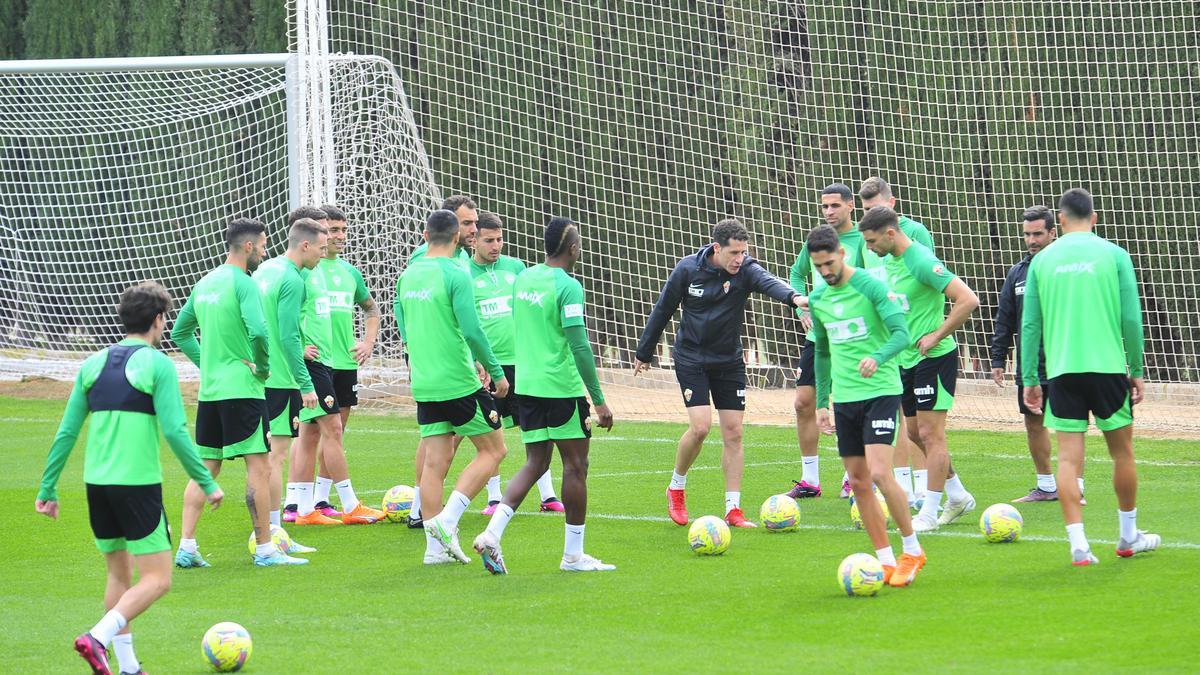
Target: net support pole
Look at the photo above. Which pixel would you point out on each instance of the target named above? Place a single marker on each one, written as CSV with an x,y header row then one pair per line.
x,y
294,87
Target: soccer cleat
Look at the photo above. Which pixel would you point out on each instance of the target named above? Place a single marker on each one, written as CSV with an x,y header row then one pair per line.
x,y
906,570
803,489
488,548
296,547
677,506
955,510
735,518
924,523
1083,558
585,563
363,515
491,508
448,540
552,505
415,523
275,559
326,509
1144,543
316,518
888,571
439,557
1037,495
184,559
846,491
289,513
94,653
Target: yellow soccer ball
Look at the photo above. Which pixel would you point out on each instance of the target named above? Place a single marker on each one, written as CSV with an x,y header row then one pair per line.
x,y
397,503
1001,523
226,646
856,517
780,513
709,535
860,575
279,537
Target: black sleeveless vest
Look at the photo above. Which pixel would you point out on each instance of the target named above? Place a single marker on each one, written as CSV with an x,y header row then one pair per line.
x,y
112,391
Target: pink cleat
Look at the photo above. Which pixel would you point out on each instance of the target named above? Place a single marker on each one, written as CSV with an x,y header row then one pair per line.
x,y
326,509
289,513
491,508
552,504
94,653
846,491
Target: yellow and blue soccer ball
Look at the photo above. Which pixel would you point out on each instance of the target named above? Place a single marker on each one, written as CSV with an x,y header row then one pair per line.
x,y
279,537
860,575
1001,523
397,503
227,646
780,513
856,517
709,535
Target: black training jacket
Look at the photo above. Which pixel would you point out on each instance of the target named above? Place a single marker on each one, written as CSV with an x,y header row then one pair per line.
x,y
1008,319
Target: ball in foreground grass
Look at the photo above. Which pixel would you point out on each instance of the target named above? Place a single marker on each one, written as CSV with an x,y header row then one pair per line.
x,y
856,517
860,575
279,537
709,535
1001,523
226,646
397,503
780,513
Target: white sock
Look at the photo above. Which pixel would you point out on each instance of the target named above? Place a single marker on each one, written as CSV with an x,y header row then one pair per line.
x,y
1128,522
886,556
1078,540
903,476
274,521
678,481
323,485
264,549
911,545
932,501
733,500
1046,482
573,544
1080,479
811,474
416,504
346,496
920,481
123,645
107,628
546,486
456,506
290,498
493,488
304,499
499,521
955,492
188,545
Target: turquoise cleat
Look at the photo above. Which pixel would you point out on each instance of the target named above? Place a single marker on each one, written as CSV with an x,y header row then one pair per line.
x,y
277,558
184,560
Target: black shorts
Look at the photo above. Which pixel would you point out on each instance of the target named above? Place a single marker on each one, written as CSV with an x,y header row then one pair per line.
x,y
345,387
129,512
722,387
930,384
231,428
470,415
554,419
327,400
283,412
507,406
1021,397
862,423
1072,396
806,372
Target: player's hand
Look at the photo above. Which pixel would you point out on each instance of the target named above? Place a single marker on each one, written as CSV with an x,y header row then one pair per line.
x,y
1033,399
926,343
606,417
311,353
639,366
806,321
801,301
484,378
998,377
49,508
1137,390
501,387
215,498
824,423
362,351
867,367
309,400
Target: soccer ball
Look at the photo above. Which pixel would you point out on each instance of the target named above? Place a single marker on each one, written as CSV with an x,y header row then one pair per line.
x,y
780,513
279,537
1001,523
397,503
709,535
227,647
856,517
860,575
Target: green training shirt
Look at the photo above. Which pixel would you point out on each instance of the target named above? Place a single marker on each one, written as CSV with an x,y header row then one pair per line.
x,y
345,289
554,359
1081,304
316,324
851,322
493,298
282,290
804,278
462,257
917,280
123,446
435,312
226,307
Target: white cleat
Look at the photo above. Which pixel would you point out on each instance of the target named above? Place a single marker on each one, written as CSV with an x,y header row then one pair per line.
x,y
1083,558
1144,542
438,557
448,540
924,523
955,510
296,547
585,563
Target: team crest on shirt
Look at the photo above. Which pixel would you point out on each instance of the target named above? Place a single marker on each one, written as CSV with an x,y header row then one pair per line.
x,y
687,395
839,310
295,423
938,269
329,401
337,281
493,416
725,286
509,277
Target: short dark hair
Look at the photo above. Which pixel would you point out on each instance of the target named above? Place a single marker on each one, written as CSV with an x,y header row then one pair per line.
x,y
823,239
840,189
1039,213
305,229
441,226
141,304
559,235
730,228
453,202
333,213
310,212
879,218
489,221
1076,204
874,187
241,230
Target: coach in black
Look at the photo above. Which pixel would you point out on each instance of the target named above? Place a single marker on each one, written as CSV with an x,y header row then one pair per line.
x,y
712,286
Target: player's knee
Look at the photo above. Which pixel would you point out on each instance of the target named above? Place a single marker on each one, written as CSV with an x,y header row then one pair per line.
x,y
860,482
575,468
732,440
881,475
804,406
699,430
928,437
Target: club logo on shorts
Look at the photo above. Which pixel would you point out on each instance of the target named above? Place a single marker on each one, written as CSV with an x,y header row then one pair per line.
x,y
587,423
493,416
687,395
329,401
295,422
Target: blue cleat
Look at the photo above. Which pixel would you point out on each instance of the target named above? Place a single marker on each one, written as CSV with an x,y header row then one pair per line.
x,y
277,558
184,560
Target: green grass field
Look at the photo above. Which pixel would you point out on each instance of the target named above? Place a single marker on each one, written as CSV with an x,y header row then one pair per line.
x,y
367,604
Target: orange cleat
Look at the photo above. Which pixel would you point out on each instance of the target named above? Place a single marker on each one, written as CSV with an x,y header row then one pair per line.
x,y
906,570
677,506
736,518
363,515
888,571
315,518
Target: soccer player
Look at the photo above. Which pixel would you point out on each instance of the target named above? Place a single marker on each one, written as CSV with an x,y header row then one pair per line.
x,y
345,288
231,416
712,286
1039,230
857,332
494,275
837,207
131,391
556,364
289,388
920,284
1081,302
435,313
